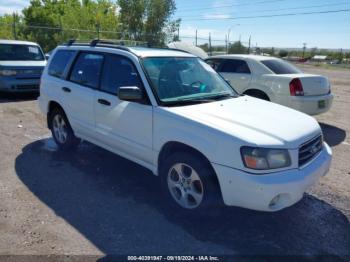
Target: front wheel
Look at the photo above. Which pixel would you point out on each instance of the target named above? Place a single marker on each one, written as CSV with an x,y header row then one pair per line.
x,y
61,130
189,182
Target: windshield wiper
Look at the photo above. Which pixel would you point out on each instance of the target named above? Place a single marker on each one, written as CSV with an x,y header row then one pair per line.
x,y
199,100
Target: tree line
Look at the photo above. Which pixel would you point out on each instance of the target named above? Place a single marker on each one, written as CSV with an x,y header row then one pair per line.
x,y
50,22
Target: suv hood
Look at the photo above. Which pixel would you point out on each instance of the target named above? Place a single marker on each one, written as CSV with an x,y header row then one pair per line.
x,y
22,63
254,121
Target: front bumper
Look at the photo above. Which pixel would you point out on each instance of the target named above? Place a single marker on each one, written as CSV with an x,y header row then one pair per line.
x,y
271,192
15,85
310,104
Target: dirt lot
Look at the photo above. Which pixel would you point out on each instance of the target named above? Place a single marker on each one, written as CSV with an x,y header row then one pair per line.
x,y
96,203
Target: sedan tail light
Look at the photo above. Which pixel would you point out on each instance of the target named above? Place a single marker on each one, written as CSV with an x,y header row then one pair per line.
x,y
296,88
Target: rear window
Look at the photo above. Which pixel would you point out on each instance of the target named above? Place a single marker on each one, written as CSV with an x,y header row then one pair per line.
x,y
59,62
18,52
86,70
280,67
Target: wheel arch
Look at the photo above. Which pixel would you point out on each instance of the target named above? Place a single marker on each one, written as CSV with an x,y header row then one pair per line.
x,y
257,92
51,106
175,146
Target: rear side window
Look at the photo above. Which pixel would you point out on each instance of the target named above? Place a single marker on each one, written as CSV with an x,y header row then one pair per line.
x,y
280,67
235,66
214,63
59,62
118,71
86,69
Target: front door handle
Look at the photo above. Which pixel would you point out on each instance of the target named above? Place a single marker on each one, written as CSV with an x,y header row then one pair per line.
x,y
66,89
104,102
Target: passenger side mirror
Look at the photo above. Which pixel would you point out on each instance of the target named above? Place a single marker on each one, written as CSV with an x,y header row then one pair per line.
x,y
130,93
47,56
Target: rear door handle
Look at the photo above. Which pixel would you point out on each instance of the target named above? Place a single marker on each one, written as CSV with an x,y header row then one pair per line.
x,y
66,89
104,102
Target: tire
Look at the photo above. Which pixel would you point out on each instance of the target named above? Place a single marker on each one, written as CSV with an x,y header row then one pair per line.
x,y
61,130
189,183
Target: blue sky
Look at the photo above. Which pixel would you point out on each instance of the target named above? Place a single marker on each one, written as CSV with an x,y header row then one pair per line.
x,y
318,30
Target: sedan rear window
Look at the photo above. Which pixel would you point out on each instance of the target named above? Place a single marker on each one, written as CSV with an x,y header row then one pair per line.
x,y
280,67
17,52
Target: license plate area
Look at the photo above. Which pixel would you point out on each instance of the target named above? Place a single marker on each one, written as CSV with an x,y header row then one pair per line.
x,y
321,104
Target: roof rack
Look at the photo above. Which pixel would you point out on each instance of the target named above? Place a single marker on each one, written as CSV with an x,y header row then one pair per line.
x,y
117,44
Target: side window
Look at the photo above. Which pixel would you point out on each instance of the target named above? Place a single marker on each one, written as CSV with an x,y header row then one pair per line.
x,y
86,69
214,63
117,72
59,62
235,66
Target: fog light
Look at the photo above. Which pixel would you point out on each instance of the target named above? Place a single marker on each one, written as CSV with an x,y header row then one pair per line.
x,y
274,201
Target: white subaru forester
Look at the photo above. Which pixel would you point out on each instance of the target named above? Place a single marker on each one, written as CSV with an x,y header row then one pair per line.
x,y
170,112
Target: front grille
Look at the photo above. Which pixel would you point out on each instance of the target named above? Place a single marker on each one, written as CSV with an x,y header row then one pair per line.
x,y
27,87
29,71
309,150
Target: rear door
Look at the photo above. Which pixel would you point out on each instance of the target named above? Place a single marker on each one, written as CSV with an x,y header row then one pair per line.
x,y
79,92
124,127
237,72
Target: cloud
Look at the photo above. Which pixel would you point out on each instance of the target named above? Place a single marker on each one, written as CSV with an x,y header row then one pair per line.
x,y
220,10
216,16
8,7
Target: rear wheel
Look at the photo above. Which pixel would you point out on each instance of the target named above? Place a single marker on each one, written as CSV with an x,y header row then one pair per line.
x,y
189,182
61,130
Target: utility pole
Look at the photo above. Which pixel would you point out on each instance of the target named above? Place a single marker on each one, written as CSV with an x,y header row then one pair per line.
x,y
61,29
98,30
178,33
210,44
304,48
226,44
250,38
196,37
14,26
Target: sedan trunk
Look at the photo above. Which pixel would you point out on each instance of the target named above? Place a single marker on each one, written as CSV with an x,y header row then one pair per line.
x,y
313,85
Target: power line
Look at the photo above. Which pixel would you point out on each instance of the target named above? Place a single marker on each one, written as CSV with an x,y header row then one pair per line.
x,y
232,5
269,16
281,9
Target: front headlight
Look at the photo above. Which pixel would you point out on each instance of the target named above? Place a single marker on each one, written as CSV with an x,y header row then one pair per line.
x,y
265,158
8,72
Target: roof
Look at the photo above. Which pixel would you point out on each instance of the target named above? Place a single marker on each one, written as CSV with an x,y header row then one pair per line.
x,y
158,52
138,51
16,42
242,56
119,44
195,50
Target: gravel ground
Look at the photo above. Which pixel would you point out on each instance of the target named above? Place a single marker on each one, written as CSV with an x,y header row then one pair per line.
x,y
94,203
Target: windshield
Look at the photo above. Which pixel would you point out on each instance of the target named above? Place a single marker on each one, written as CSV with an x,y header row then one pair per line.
x,y
280,67
14,52
187,80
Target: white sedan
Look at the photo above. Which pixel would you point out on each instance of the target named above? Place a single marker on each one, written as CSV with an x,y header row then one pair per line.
x,y
275,80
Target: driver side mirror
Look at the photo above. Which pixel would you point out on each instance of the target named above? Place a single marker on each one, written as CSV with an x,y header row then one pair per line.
x,y
130,93
47,56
